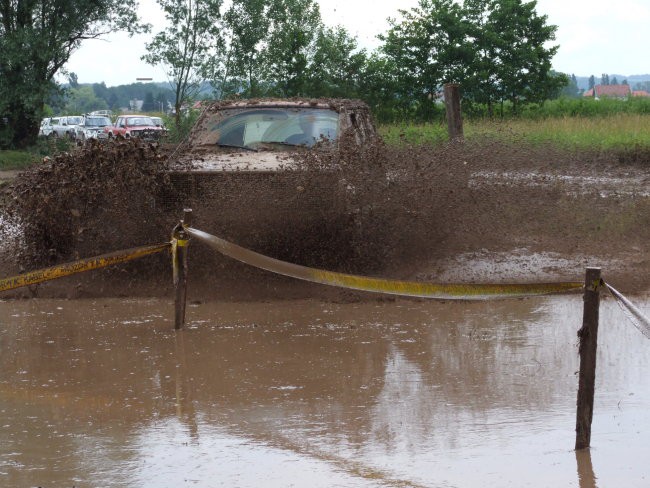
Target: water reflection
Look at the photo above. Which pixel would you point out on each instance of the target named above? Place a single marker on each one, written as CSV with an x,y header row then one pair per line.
x,y
586,475
404,393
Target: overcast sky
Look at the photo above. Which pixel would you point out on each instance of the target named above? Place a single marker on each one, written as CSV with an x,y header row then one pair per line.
x,y
595,37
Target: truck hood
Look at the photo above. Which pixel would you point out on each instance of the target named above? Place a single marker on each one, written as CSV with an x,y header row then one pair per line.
x,y
246,161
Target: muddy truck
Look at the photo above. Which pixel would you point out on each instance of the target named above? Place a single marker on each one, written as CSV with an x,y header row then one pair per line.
x,y
250,169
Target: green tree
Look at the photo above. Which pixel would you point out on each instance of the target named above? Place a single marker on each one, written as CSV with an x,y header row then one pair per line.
x,y
614,81
73,80
82,100
290,44
497,49
571,90
592,82
428,47
148,104
379,86
242,64
521,62
37,38
186,46
336,66
161,102
604,79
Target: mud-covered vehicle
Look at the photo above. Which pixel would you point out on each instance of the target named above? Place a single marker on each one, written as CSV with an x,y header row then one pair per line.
x,y
256,135
243,170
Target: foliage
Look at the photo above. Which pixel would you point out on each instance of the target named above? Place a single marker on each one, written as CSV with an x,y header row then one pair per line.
x,y
290,44
337,65
571,89
622,132
592,81
427,48
281,48
186,46
246,25
644,85
20,159
177,133
82,100
588,107
496,49
37,38
12,159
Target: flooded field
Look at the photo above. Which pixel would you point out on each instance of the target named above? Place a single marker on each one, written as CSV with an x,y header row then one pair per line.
x,y
103,392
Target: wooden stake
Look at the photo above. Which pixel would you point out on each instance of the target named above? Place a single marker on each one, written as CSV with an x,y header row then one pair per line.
x,y
452,107
588,335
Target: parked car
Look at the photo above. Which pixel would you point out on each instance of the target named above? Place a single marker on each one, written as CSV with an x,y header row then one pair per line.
x,y
92,127
46,127
134,126
63,126
105,113
158,121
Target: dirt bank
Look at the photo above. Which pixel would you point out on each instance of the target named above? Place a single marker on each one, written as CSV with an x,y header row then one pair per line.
x,y
477,212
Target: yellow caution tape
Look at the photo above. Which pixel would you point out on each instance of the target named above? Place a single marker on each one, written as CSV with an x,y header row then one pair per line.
x,y
80,266
467,291
175,263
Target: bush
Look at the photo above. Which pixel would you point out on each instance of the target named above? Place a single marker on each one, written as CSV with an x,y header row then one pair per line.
x,y
178,134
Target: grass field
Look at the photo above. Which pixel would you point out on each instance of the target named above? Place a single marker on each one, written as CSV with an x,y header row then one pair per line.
x,y
620,131
16,159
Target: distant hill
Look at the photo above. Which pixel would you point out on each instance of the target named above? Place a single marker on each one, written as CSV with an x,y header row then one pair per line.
x,y
583,81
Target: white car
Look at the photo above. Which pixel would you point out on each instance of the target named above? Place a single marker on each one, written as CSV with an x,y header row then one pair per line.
x,y
46,127
92,127
61,126
158,122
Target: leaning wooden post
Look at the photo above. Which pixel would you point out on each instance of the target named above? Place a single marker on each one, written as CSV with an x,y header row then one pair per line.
x,y
180,241
588,335
453,113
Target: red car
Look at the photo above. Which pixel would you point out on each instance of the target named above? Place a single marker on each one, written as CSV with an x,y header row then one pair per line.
x,y
134,126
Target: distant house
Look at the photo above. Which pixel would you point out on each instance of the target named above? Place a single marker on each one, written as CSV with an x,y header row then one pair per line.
x,y
609,91
640,93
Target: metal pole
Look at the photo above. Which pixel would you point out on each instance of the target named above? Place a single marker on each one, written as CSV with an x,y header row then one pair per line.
x,y
182,239
452,108
588,335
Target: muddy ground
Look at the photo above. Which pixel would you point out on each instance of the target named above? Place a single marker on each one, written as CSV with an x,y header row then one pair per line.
x,y
477,212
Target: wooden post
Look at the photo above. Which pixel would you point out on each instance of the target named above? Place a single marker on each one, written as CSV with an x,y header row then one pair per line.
x,y
187,217
452,108
180,269
588,335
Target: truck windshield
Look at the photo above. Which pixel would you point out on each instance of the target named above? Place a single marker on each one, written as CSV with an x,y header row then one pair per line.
x,y
133,121
292,126
97,121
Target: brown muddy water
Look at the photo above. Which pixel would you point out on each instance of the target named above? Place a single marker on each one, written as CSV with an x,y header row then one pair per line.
x,y
103,392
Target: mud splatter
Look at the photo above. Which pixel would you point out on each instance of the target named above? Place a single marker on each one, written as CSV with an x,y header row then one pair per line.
x,y
397,211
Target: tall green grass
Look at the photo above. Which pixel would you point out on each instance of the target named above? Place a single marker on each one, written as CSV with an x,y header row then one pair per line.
x,y
617,131
11,159
20,159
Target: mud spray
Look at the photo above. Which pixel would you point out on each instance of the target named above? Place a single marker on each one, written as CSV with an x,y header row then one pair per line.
x,y
378,209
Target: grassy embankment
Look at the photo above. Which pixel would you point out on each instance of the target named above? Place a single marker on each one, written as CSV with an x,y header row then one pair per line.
x,y
575,124
619,132
17,160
